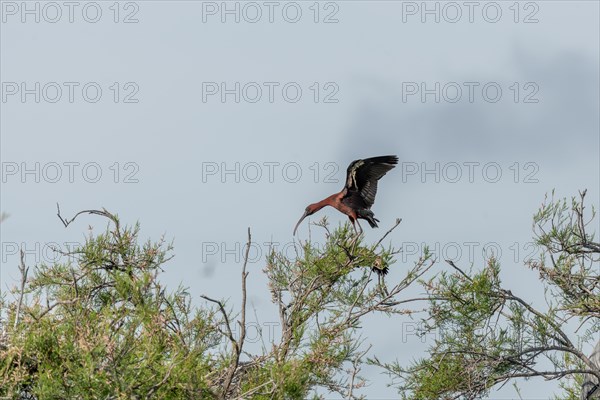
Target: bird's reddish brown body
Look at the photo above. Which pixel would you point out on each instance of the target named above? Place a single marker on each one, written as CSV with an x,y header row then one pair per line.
x,y
335,201
358,195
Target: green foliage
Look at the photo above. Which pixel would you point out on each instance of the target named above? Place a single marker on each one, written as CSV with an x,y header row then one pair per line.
x,y
571,265
102,326
486,335
322,295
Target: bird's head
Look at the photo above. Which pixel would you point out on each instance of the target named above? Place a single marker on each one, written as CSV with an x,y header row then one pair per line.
x,y
309,210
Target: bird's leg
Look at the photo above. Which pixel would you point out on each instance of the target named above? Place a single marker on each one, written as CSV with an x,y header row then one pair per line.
x,y
354,226
357,233
359,227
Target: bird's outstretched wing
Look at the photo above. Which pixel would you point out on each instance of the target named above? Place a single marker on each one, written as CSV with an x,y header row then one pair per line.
x,y
362,177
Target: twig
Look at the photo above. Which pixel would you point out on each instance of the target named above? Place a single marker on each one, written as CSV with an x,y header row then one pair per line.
x,y
222,309
398,220
244,396
459,270
236,344
24,270
355,370
102,212
362,290
157,386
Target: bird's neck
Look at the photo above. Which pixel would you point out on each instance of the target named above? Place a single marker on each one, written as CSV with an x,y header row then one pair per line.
x,y
332,200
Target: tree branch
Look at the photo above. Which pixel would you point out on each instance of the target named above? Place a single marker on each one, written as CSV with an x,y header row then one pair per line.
x,y
24,270
102,212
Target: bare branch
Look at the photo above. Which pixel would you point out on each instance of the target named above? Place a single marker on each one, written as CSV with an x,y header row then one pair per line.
x,y
23,270
224,313
355,370
237,345
398,220
102,212
459,270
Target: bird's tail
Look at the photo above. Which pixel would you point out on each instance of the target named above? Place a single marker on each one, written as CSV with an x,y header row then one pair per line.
x,y
369,216
379,267
381,271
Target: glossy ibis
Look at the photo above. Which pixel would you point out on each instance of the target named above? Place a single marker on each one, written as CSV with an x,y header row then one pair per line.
x,y
358,195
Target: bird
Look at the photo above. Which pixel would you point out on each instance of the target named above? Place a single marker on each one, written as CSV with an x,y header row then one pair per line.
x,y
358,195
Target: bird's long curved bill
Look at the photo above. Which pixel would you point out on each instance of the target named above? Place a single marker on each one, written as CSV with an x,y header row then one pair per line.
x,y
301,219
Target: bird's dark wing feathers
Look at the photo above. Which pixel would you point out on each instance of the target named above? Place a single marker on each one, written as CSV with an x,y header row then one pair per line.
x,y
362,177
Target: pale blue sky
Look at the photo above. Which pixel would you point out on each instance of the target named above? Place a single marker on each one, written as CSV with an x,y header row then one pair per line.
x,y
368,61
